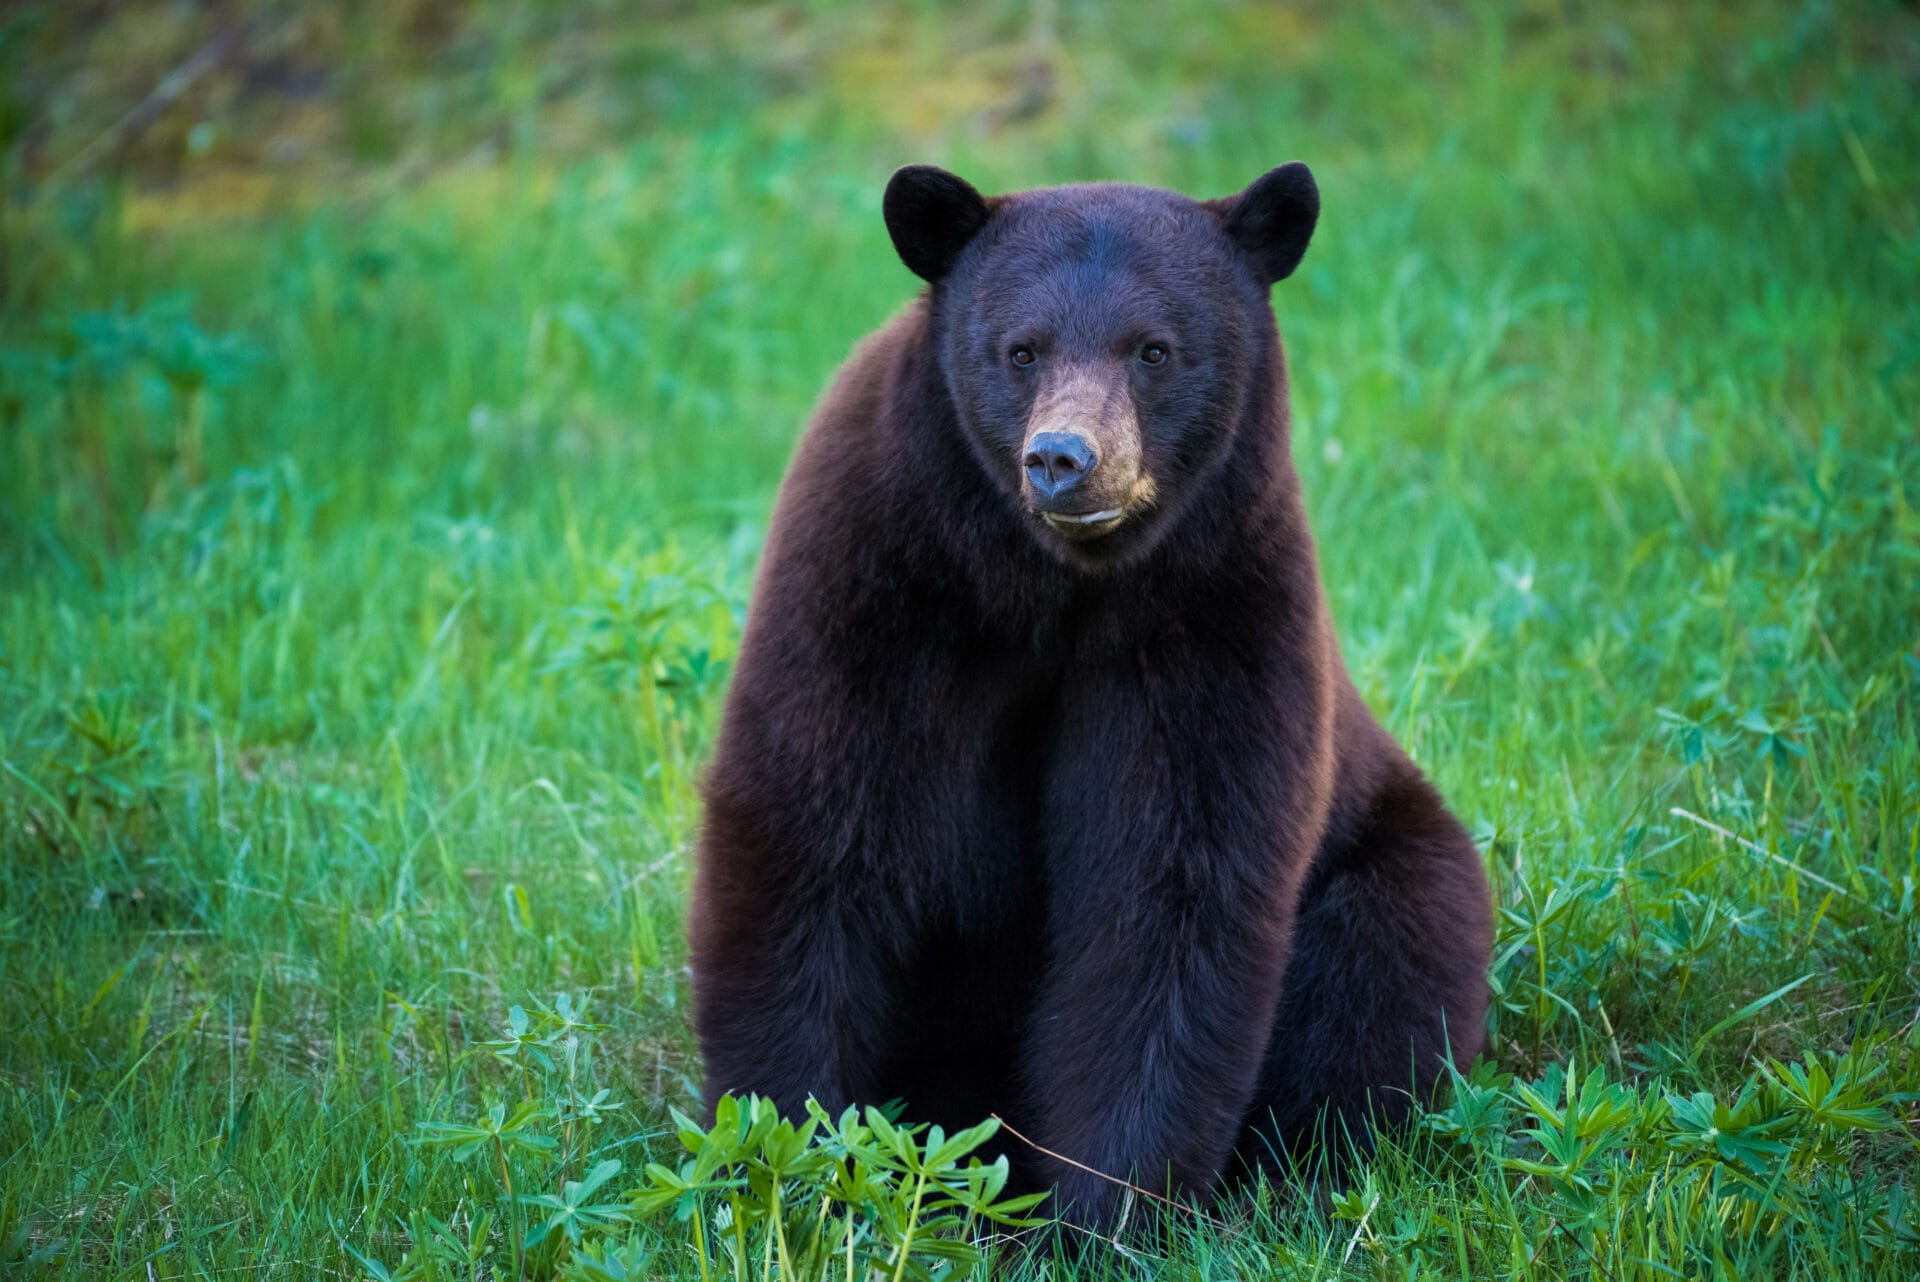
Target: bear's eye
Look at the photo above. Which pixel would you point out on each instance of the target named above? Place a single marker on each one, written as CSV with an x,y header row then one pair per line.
x,y
1153,353
1022,356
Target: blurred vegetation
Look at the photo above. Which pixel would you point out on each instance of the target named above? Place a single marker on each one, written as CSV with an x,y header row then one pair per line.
x,y
391,396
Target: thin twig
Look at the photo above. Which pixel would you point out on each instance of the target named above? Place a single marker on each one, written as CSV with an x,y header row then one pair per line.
x,y
1359,1229
1019,1238
1782,860
1114,1179
172,86
1569,1234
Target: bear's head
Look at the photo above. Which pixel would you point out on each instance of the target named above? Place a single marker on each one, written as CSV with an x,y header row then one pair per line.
x,y
1100,341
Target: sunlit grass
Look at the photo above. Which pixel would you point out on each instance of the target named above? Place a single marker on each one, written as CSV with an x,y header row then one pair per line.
x,y
369,572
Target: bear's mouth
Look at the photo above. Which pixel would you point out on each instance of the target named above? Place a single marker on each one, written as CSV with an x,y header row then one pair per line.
x,y
1085,525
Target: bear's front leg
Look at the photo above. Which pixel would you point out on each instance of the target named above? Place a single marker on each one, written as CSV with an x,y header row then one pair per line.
x,y
790,991
796,962
843,817
1177,839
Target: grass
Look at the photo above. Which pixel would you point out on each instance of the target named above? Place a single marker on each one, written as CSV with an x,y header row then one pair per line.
x,y
371,562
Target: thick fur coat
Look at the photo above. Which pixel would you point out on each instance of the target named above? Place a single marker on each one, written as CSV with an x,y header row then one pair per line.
x,y
1041,788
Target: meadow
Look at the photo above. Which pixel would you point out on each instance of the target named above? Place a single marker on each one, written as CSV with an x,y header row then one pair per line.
x,y
375,538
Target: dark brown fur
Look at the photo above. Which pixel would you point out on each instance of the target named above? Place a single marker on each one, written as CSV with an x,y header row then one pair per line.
x,y
1111,848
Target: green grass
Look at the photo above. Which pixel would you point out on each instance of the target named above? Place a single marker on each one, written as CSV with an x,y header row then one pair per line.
x,y
370,566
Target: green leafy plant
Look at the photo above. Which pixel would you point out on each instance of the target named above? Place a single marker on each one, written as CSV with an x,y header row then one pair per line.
x,y
860,1191
550,1051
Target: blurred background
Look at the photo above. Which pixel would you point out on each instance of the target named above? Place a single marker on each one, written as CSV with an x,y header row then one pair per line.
x,y
391,399
642,234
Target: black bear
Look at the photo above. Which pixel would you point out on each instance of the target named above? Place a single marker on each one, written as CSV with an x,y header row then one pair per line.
x,y
1041,787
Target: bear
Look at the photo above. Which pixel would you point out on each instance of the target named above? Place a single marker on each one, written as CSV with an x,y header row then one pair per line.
x,y
1041,788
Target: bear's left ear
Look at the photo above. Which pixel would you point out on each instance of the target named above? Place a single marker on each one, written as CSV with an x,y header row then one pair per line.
x,y
931,215
1273,219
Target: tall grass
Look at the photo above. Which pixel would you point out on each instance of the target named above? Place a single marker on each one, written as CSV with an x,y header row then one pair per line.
x,y
370,568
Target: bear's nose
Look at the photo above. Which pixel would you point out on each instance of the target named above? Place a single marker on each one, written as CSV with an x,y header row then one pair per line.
x,y
1058,461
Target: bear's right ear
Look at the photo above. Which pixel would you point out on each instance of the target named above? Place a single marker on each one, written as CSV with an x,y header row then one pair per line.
x,y
931,215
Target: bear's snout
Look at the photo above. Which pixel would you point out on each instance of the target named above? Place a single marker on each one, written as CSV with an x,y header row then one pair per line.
x,y
1081,459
